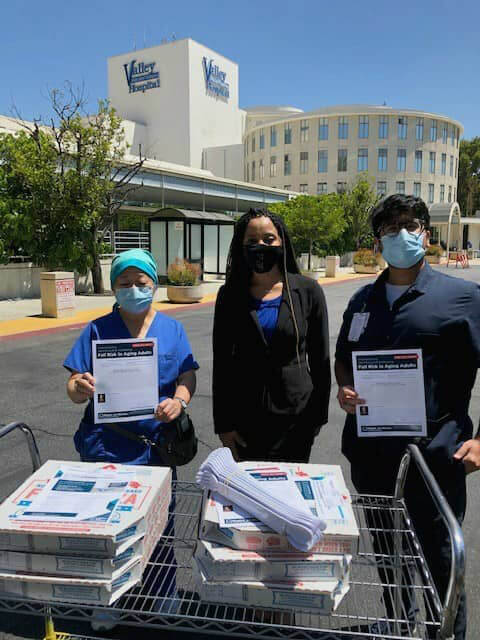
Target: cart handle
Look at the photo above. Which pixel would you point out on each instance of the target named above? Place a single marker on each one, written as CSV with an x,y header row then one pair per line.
x,y
457,544
32,443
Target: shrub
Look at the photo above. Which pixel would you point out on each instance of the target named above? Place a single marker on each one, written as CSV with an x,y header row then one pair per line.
x,y
434,250
182,273
366,257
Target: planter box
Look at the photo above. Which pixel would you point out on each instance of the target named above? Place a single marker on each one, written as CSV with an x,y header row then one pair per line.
x,y
433,259
366,268
185,294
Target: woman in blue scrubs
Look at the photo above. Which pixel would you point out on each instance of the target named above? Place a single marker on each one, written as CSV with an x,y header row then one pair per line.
x,y
133,279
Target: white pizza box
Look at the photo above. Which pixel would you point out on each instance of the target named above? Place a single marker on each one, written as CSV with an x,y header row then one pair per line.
x,y
139,550
320,598
223,564
132,515
341,535
82,591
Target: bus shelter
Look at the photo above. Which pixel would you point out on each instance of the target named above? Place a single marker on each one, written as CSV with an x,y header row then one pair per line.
x,y
201,237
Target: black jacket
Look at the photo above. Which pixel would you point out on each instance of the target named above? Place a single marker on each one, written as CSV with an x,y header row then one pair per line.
x,y
252,378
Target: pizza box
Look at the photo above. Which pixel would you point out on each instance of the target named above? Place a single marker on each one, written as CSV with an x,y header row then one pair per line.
x,y
87,522
324,491
82,591
319,598
223,564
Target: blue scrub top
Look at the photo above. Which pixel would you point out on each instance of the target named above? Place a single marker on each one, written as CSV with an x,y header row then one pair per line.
x,y
439,314
95,442
267,314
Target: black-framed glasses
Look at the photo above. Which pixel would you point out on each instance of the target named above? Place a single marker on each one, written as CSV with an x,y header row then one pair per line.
x,y
393,228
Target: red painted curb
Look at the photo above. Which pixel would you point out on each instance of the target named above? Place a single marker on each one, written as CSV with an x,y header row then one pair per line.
x,y
80,325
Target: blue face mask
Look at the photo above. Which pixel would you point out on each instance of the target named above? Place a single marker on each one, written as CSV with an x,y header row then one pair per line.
x,y
134,299
403,249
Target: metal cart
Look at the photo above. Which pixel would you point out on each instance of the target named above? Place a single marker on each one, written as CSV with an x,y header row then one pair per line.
x,y
361,615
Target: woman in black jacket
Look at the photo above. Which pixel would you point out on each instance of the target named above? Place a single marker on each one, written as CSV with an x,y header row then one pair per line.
x,y
271,366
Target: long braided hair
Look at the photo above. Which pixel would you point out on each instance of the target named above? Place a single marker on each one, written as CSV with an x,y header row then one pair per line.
x,y
238,274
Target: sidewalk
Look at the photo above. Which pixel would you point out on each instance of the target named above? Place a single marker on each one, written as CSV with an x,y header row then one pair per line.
x,y
23,317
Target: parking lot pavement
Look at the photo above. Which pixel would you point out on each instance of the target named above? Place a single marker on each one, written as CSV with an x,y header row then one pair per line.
x,y
33,390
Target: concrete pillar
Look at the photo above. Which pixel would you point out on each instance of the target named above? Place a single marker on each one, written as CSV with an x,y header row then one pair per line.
x,y
57,289
331,263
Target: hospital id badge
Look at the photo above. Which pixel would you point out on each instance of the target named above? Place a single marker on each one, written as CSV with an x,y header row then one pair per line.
x,y
358,326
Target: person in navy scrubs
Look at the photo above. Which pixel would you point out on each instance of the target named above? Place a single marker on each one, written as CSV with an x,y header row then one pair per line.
x,y
271,364
133,280
412,306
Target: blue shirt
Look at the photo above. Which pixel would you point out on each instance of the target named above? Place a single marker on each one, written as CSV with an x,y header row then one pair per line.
x,y
267,314
95,442
439,314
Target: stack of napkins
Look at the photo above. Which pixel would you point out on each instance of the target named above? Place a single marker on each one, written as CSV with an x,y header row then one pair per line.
x,y
283,512
82,532
242,560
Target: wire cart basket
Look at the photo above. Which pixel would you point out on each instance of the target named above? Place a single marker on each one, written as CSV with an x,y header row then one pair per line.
x,y
361,615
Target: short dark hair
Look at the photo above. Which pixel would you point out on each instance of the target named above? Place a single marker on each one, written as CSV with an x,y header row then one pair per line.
x,y
392,206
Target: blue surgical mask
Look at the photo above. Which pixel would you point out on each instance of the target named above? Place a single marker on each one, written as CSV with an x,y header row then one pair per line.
x,y
404,249
134,299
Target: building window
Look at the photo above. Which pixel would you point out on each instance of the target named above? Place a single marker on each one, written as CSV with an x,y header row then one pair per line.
x,y
253,171
450,193
341,187
417,189
287,187
363,126
442,193
322,161
362,162
287,165
452,139
287,133
432,161
456,167
433,131
321,188
418,161
323,129
303,188
444,164
381,188
444,134
451,166
402,128
454,194
342,160
253,144
303,161
401,160
261,169
273,136
343,128
400,187
382,159
303,130
248,172
262,139
383,127
246,146
431,192
419,129
273,166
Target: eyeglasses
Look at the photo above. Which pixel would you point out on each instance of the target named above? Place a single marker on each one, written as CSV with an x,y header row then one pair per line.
x,y
393,228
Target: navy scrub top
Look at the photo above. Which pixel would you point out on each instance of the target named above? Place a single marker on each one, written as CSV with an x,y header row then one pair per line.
x,y
95,442
439,314
267,314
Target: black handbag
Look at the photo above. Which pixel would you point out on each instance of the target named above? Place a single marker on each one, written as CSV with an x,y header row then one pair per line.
x,y
176,443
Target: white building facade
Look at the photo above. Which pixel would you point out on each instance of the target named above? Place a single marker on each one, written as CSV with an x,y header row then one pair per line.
x,y
323,151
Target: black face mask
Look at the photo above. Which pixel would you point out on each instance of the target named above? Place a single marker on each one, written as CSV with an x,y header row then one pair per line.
x,y
261,258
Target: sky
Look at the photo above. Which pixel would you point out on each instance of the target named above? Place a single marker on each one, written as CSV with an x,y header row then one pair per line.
x,y
416,54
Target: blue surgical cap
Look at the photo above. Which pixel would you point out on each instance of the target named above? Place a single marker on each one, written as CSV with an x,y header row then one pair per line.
x,y
139,258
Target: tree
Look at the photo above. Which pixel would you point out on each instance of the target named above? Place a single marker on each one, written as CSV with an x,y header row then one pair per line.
x,y
357,203
62,183
314,222
468,194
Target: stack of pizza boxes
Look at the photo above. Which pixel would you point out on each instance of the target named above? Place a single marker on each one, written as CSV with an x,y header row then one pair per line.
x,y
81,532
239,560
